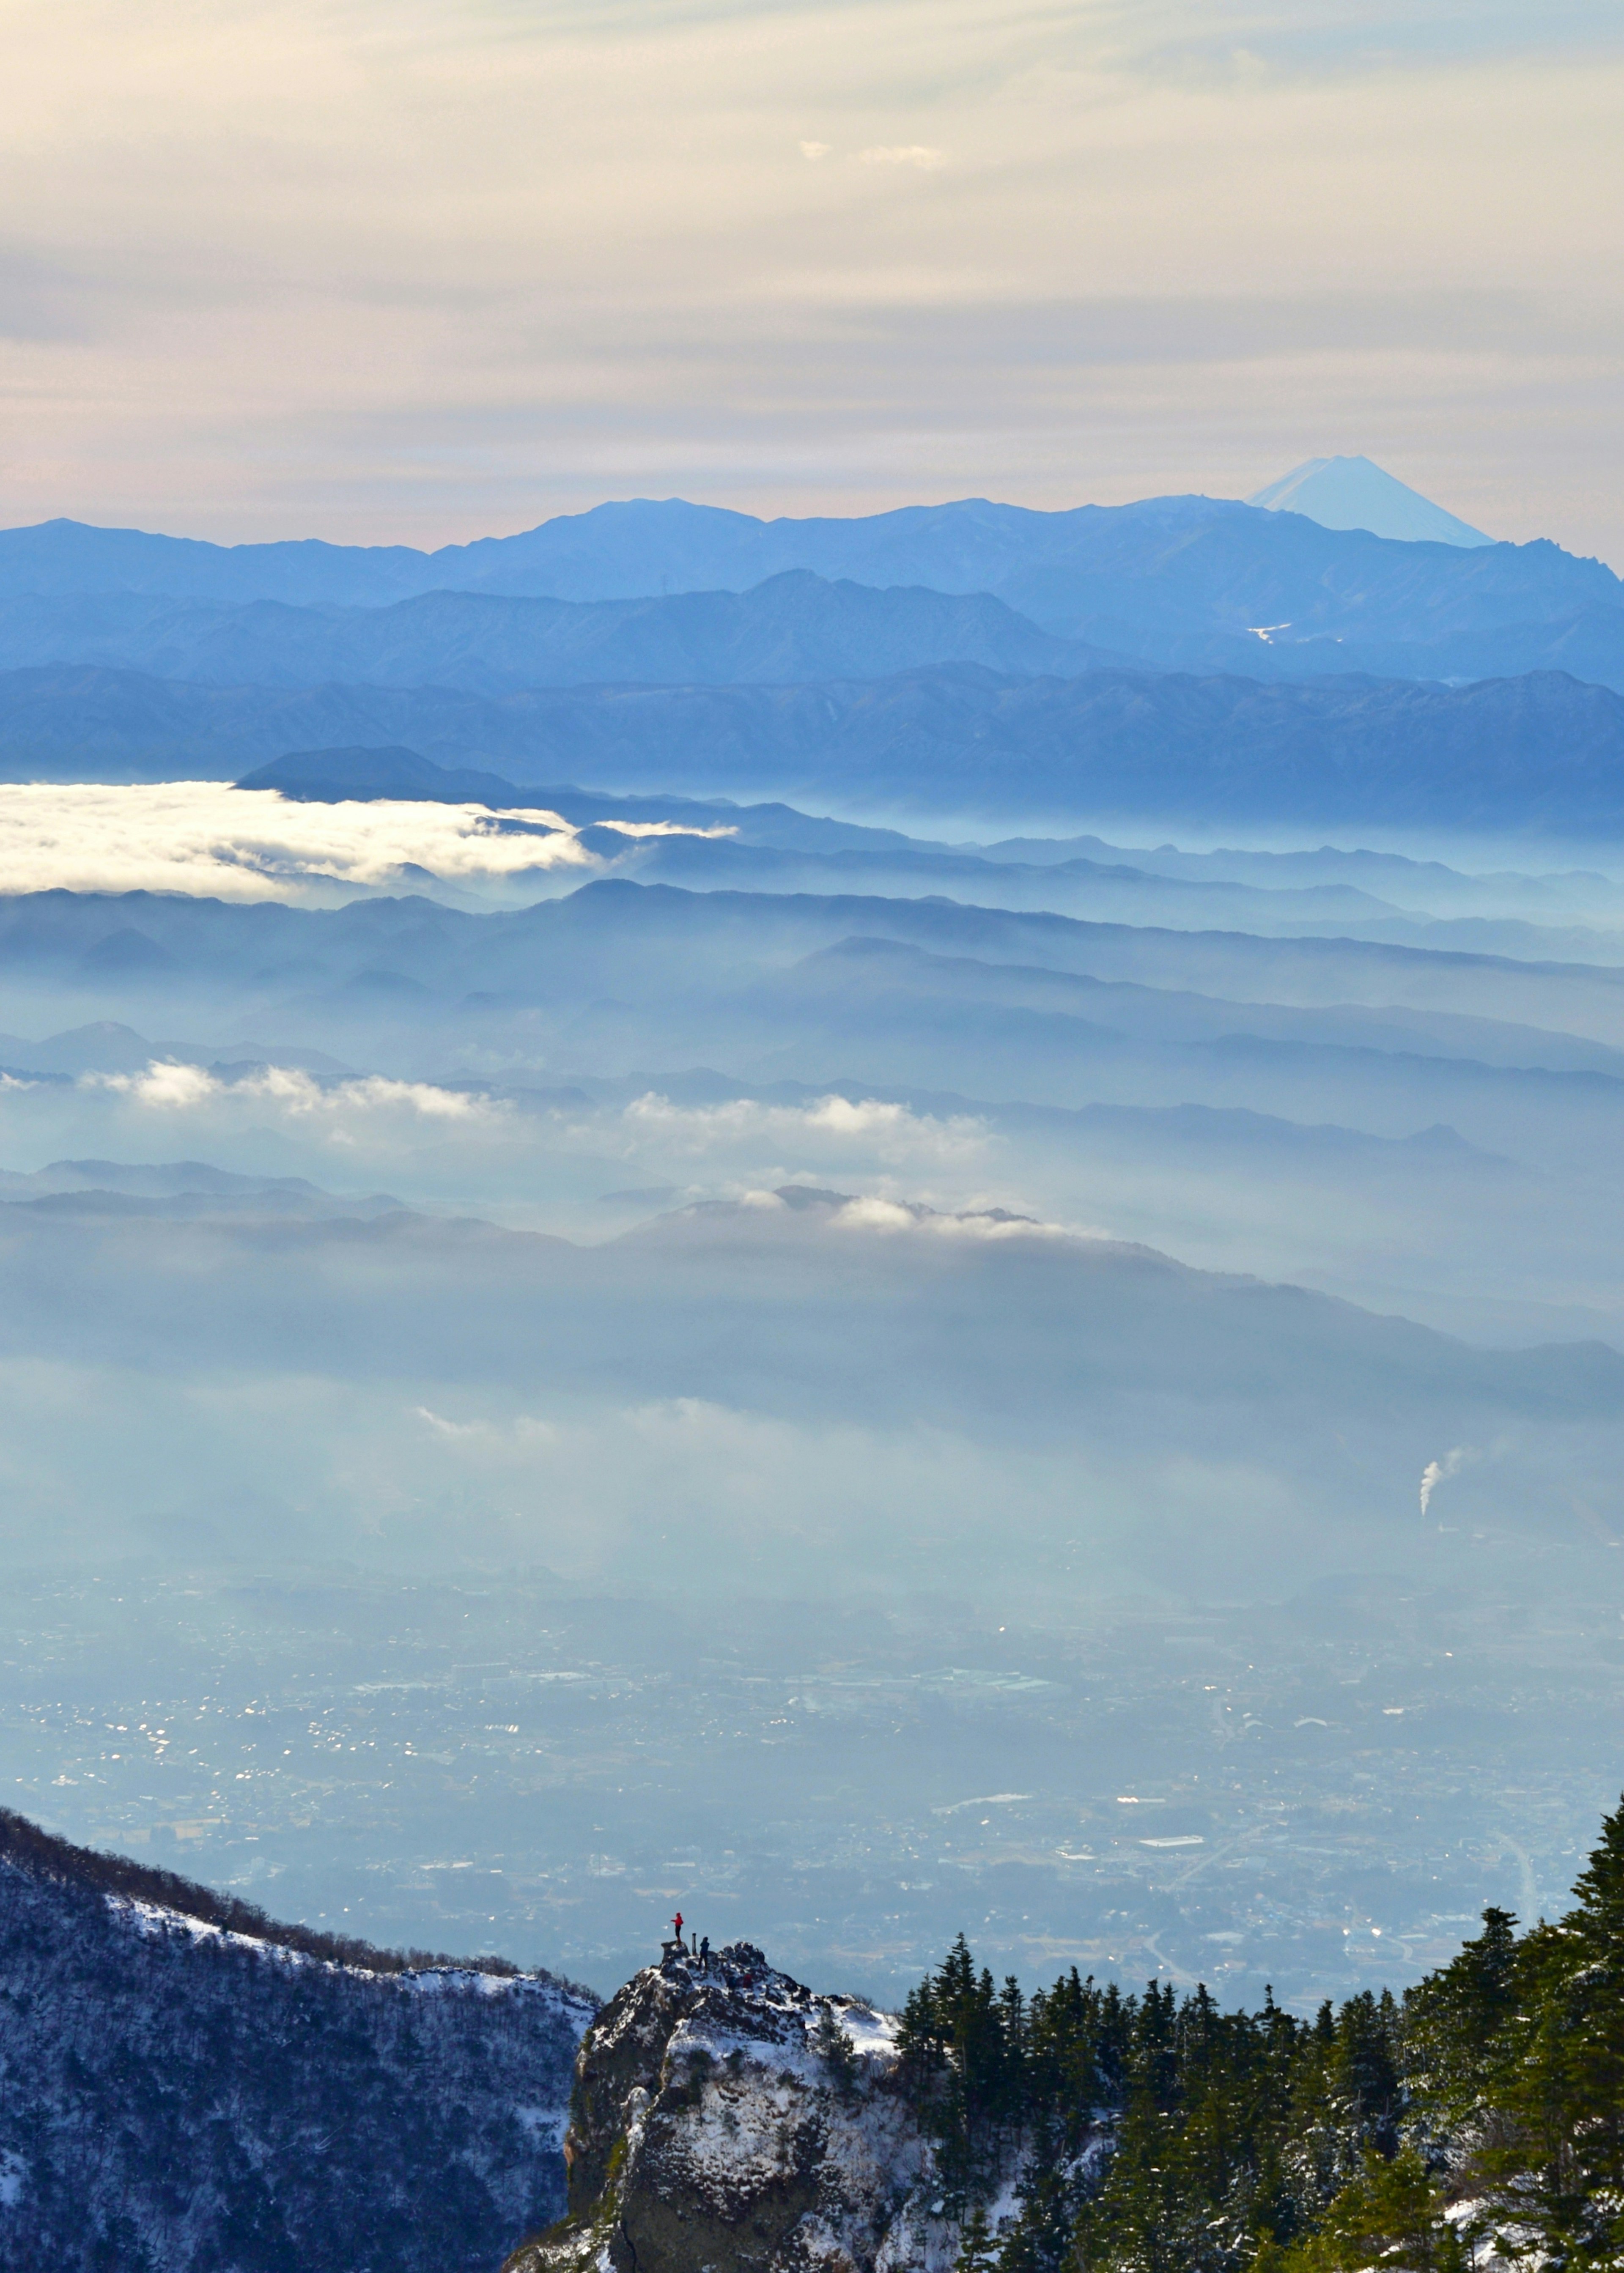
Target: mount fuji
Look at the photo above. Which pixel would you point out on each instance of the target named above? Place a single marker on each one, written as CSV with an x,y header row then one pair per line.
x,y
1355,493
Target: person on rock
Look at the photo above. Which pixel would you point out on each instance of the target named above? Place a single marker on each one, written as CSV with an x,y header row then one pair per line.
x,y
704,1951
677,1926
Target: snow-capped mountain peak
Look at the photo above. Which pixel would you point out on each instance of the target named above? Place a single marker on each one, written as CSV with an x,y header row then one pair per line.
x,y
1355,493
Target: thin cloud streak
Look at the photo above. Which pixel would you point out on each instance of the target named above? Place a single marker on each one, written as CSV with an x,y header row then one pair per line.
x,y
168,1087
912,153
891,1133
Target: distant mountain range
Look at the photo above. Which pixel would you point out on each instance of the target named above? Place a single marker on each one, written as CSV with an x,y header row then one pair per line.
x,y
1178,659
793,629
1005,1332
1170,583
1541,751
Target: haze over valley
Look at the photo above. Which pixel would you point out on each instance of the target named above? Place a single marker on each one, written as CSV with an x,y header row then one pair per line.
x,y
811,1081
872,1256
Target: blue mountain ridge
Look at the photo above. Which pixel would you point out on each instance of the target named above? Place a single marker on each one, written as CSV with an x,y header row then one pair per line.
x,y
1174,581
1542,751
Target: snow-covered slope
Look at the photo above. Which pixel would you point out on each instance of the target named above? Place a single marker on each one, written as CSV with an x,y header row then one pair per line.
x,y
1355,493
186,2089
726,2118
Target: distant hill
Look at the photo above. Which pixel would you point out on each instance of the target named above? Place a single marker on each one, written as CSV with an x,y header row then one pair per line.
x,y
1185,583
360,774
192,2086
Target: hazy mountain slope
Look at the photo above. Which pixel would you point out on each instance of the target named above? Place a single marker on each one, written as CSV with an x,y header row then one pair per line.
x,y
539,1031
1170,1014
655,942
1163,563
795,627
1539,751
618,976
1117,891
994,1324
1084,886
89,721
464,1367
1543,749
1586,643
775,849
75,557
883,1018
192,2090
365,772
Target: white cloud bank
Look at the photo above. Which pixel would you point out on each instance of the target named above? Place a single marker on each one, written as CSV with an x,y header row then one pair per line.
x,y
825,1127
210,840
167,1086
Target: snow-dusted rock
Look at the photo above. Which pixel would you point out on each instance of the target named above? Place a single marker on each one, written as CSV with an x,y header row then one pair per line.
x,y
726,2119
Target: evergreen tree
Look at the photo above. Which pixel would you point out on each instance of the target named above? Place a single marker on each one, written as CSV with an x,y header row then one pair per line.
x,y
832,2045
1390,2215
978,2252
1156,2133
1553,2107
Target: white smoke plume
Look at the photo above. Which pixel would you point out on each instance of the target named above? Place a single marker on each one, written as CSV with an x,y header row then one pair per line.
x,y
1438,1472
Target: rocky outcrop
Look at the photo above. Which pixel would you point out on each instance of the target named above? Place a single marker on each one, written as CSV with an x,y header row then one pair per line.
x,y
725,2119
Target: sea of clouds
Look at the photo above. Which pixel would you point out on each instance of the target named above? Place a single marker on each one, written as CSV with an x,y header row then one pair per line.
x,y
208,839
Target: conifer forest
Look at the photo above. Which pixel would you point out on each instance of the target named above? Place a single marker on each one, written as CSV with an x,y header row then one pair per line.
x,y
1476,2119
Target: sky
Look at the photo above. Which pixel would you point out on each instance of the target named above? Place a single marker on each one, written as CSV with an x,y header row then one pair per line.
x,y
411,271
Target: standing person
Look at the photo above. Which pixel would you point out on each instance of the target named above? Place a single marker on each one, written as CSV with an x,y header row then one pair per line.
x,y
676,1925
704,1951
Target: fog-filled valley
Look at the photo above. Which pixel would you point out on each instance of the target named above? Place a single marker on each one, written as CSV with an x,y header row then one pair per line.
x,y
623,1293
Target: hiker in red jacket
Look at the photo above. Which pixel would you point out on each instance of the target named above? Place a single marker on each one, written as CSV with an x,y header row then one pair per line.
x,y
676,1925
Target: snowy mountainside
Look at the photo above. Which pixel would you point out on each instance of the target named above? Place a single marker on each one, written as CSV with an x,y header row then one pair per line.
x,y
725,2116
185,2088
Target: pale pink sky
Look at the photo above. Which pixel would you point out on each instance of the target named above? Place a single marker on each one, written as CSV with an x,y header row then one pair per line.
x,y
388,270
